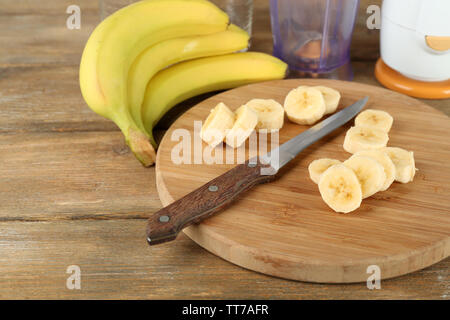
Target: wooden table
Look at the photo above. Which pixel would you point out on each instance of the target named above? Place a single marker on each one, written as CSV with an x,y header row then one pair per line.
x,y
72,194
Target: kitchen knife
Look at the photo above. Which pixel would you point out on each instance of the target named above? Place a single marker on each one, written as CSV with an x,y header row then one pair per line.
x,y
213,196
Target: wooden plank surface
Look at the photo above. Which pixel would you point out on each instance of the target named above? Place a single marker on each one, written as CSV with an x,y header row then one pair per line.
x,y
41,98
72,175
71,152
116,263
35,32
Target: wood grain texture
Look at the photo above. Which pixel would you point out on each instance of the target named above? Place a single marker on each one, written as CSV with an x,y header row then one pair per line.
x,y
365,42
116,263
284,228
45,98
84,175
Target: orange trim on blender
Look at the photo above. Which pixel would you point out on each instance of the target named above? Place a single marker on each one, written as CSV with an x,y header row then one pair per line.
x,y
393,80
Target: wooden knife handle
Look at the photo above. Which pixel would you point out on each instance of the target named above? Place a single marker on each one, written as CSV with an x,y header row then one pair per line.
x,y
200,204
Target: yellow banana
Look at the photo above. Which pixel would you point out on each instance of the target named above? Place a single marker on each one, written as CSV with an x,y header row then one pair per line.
x,y
219,121
319,166
305,105
270,113
377,119
169,52
194,77
119,39
340,188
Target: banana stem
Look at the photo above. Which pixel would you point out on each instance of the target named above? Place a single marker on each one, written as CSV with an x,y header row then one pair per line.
x,y
141,144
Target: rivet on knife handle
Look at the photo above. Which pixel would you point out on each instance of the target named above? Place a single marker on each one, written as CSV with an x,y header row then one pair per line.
x,y
200,204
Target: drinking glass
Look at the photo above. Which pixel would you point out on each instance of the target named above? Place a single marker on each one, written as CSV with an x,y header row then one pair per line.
x,y
239,11
108,7
313,36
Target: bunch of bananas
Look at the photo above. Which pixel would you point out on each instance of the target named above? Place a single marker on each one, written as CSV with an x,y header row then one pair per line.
x,y
147,57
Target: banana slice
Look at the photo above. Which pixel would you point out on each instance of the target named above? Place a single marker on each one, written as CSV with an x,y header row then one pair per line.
x,y
216,126
364,138
369,172
304,105
246,121
340,188
319,166
405,167
331,97
381,156
270,113
377,119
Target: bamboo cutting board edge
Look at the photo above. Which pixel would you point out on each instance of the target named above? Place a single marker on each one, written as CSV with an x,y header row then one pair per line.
x,y
284,266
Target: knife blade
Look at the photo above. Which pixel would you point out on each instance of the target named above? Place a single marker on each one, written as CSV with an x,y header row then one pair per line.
x,y
215,195
289,150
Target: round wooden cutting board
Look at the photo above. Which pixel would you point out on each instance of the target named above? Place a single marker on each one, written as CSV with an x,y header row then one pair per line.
x,y
283,228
